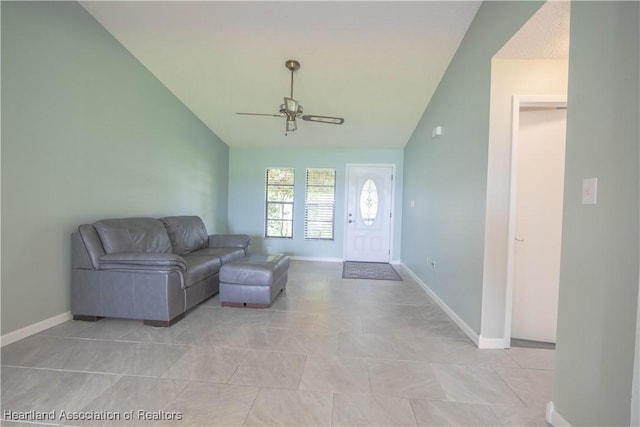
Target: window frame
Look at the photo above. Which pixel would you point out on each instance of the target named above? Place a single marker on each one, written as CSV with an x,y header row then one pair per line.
x,y
268,203
308,204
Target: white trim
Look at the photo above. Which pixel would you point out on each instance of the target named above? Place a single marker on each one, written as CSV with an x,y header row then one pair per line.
x,y
492,343
452,314
635,388
554,418
517,102
325,259
27,331
311,258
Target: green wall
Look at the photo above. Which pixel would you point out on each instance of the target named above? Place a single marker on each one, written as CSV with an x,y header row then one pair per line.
x,y
445,178
247,195
87,133
600,243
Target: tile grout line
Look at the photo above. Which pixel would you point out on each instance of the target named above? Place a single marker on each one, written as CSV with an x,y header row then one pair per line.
x,y
362,350
253,403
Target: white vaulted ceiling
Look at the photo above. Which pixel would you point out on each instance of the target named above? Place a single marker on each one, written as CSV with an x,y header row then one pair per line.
x,y
544,36
376,64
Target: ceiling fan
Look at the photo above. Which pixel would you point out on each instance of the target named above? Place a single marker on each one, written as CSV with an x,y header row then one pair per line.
x,y
291,109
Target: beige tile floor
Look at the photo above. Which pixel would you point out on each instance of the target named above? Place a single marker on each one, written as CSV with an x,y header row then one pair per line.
x,y
330,351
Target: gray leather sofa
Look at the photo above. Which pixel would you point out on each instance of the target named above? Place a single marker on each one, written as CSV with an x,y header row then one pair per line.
x,y
147,268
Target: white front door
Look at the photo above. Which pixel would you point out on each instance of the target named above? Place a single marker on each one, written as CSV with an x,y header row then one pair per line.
x,y
369,202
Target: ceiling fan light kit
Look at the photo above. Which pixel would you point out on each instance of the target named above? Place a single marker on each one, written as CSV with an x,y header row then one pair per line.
x,y
291,109
291,123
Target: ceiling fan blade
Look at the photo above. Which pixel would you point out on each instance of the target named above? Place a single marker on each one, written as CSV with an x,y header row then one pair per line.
x,y
261,114
323,119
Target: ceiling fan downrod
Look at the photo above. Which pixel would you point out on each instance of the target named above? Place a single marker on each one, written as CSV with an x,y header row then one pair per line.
x,y
292,65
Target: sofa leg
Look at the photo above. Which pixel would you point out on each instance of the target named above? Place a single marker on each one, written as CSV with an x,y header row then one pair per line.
x,y
164,323
86,318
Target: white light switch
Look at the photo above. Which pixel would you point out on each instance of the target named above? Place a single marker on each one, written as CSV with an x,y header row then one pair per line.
x,y
413,203
589,191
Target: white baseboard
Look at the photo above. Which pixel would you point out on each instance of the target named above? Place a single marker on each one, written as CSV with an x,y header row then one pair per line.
x,y
491,343
554,418
318,259
452,314
321,259
27,331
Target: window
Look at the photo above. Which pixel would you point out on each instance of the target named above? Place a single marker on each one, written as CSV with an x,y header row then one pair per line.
x,y
369,202
319,205
279,203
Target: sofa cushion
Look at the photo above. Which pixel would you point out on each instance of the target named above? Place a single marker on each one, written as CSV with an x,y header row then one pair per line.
x,y
255,270
229,241
187,233
225,254
133,235
143,261
199,268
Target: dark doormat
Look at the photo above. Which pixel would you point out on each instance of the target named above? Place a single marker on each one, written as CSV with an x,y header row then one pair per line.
x,y
369,270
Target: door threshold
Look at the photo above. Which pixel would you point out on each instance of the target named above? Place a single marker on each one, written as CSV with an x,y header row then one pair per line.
x,y
517,342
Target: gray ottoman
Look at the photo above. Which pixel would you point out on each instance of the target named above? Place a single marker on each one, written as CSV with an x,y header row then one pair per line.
x,y
253,281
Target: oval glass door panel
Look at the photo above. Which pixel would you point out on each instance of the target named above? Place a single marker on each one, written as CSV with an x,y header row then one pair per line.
x,y
369,202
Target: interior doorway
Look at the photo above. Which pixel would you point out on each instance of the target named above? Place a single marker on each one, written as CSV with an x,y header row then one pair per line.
x,y
535,226
369,204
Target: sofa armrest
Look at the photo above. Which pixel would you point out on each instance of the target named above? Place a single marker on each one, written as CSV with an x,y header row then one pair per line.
x,y
142,260
229,241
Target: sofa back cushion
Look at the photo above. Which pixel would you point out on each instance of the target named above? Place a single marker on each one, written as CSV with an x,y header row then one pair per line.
x,y
187,233
133,235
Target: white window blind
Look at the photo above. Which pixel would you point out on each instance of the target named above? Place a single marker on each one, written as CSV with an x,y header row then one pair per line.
x,y
319,208
279,202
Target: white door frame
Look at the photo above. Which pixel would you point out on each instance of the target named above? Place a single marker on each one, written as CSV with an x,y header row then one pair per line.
x,y
517,102
346,204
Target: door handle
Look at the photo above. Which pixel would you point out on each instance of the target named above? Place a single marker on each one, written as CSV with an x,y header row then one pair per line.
x,y
350,221
519,240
